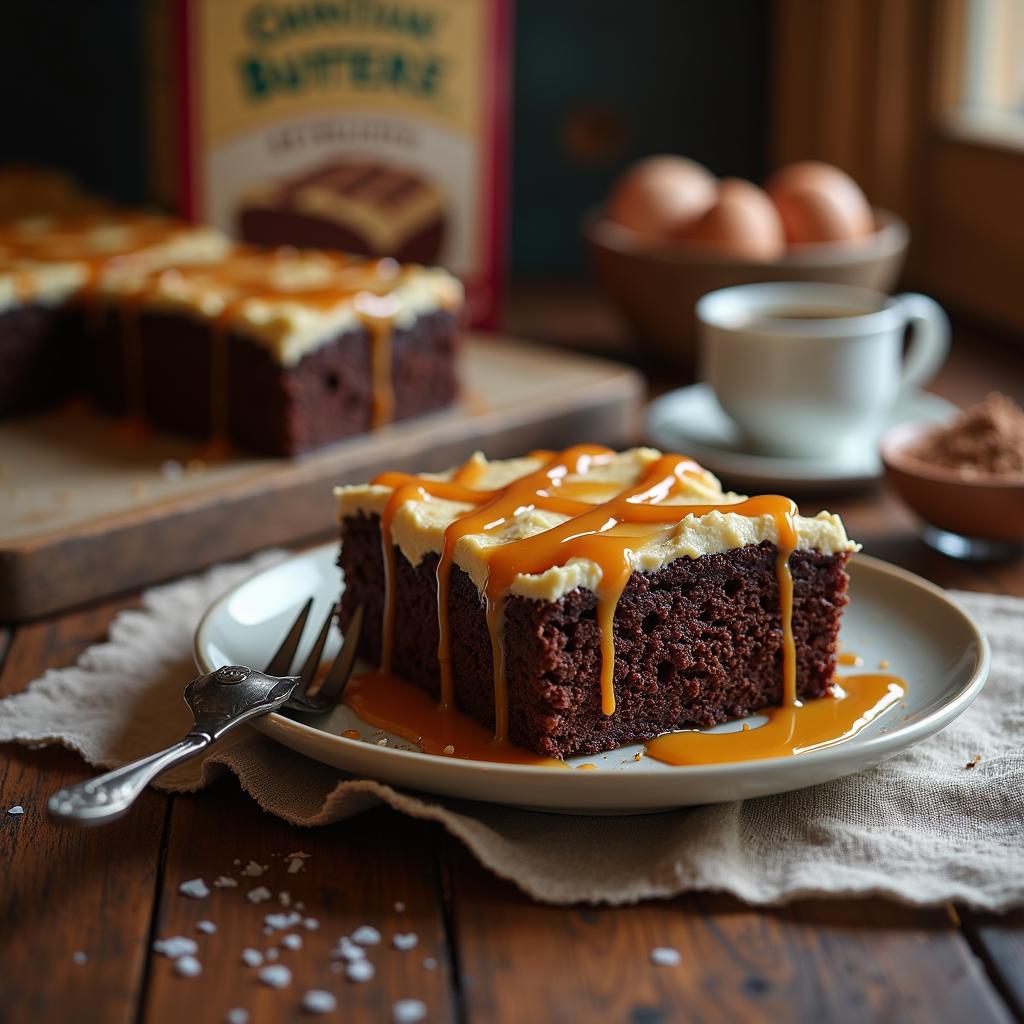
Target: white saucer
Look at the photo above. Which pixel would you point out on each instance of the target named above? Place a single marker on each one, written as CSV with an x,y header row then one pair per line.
x,y
925,636
691,421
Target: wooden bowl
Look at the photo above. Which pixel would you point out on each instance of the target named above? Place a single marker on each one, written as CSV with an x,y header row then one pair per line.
x,y
656,284
986,508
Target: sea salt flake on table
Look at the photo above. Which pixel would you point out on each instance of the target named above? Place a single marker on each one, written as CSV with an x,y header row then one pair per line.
x,y
281,921
405,940
226,882
292,941
430,964
271,954
276,976
188,967
252,957
665,956
347,950
237,1016
253,869
206,927
194,887
79,957
16,809
366,935
259,895
316,1000
409,1011
359,970
311,924
284,898
175,946
296,862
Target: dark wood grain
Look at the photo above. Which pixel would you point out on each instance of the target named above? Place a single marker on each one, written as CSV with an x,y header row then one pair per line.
x,y
65,890
356,872
847,960
998,939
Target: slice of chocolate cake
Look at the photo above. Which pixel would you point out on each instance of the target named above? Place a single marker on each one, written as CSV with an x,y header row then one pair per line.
x,y
50,269
597,598
352,205
279,351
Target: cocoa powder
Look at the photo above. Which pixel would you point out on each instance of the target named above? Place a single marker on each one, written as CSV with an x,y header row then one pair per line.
x,y
986,439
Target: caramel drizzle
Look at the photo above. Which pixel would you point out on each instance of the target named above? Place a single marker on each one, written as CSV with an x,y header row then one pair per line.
x,y
605,531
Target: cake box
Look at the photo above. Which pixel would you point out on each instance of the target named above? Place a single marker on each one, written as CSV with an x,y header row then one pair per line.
x,y
374,126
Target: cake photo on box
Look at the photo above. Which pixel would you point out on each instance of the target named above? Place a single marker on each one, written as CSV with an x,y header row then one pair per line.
x,y
353,205
278,350
578,601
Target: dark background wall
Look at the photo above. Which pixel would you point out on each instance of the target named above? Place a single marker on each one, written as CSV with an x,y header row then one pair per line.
x,y
597,84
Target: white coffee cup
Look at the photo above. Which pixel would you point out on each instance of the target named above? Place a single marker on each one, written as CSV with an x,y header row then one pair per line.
x,y
811,369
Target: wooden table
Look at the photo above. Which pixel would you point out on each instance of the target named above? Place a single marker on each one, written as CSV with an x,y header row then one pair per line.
x,y
499,957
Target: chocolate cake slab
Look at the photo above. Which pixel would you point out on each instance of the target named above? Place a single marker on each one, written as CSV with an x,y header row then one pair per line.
x,y
697,642
40,356
266,406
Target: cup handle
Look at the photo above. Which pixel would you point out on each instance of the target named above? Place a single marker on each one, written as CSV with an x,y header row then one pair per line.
x,y
929,339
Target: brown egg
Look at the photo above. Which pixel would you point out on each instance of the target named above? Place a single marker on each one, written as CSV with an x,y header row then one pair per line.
x,y
743,224
819,203
662,195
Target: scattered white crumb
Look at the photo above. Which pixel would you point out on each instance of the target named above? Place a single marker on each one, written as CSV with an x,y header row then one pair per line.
x,y
284,898
252,957
366,935
259,895
276,976
188,967
16,809
292,941
171,469
206,927
359,970
296,862
299,905
449,749
271,954
316,1000
253,869
194,887
347,950
311,924
175,946
79,957
409,1011
280,922
237,1016
405,940
226,882
382,742
399,907
430,964
665,956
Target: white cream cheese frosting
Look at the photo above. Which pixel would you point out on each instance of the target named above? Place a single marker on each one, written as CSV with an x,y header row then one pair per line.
x,y
293,301
419,525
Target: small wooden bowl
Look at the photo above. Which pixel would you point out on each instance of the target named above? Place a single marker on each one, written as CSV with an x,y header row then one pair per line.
x,y
987,509
656,284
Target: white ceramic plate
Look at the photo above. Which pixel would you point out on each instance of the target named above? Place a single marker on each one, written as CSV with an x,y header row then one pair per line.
x,y
690,420
927,639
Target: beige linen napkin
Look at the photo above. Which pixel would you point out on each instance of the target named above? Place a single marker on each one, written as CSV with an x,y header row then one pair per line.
x,y
921,828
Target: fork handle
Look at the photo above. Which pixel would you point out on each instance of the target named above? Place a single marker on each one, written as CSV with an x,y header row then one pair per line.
x,y
106,797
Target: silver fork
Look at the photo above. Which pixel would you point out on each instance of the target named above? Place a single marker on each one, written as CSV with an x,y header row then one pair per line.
x,y
219,701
